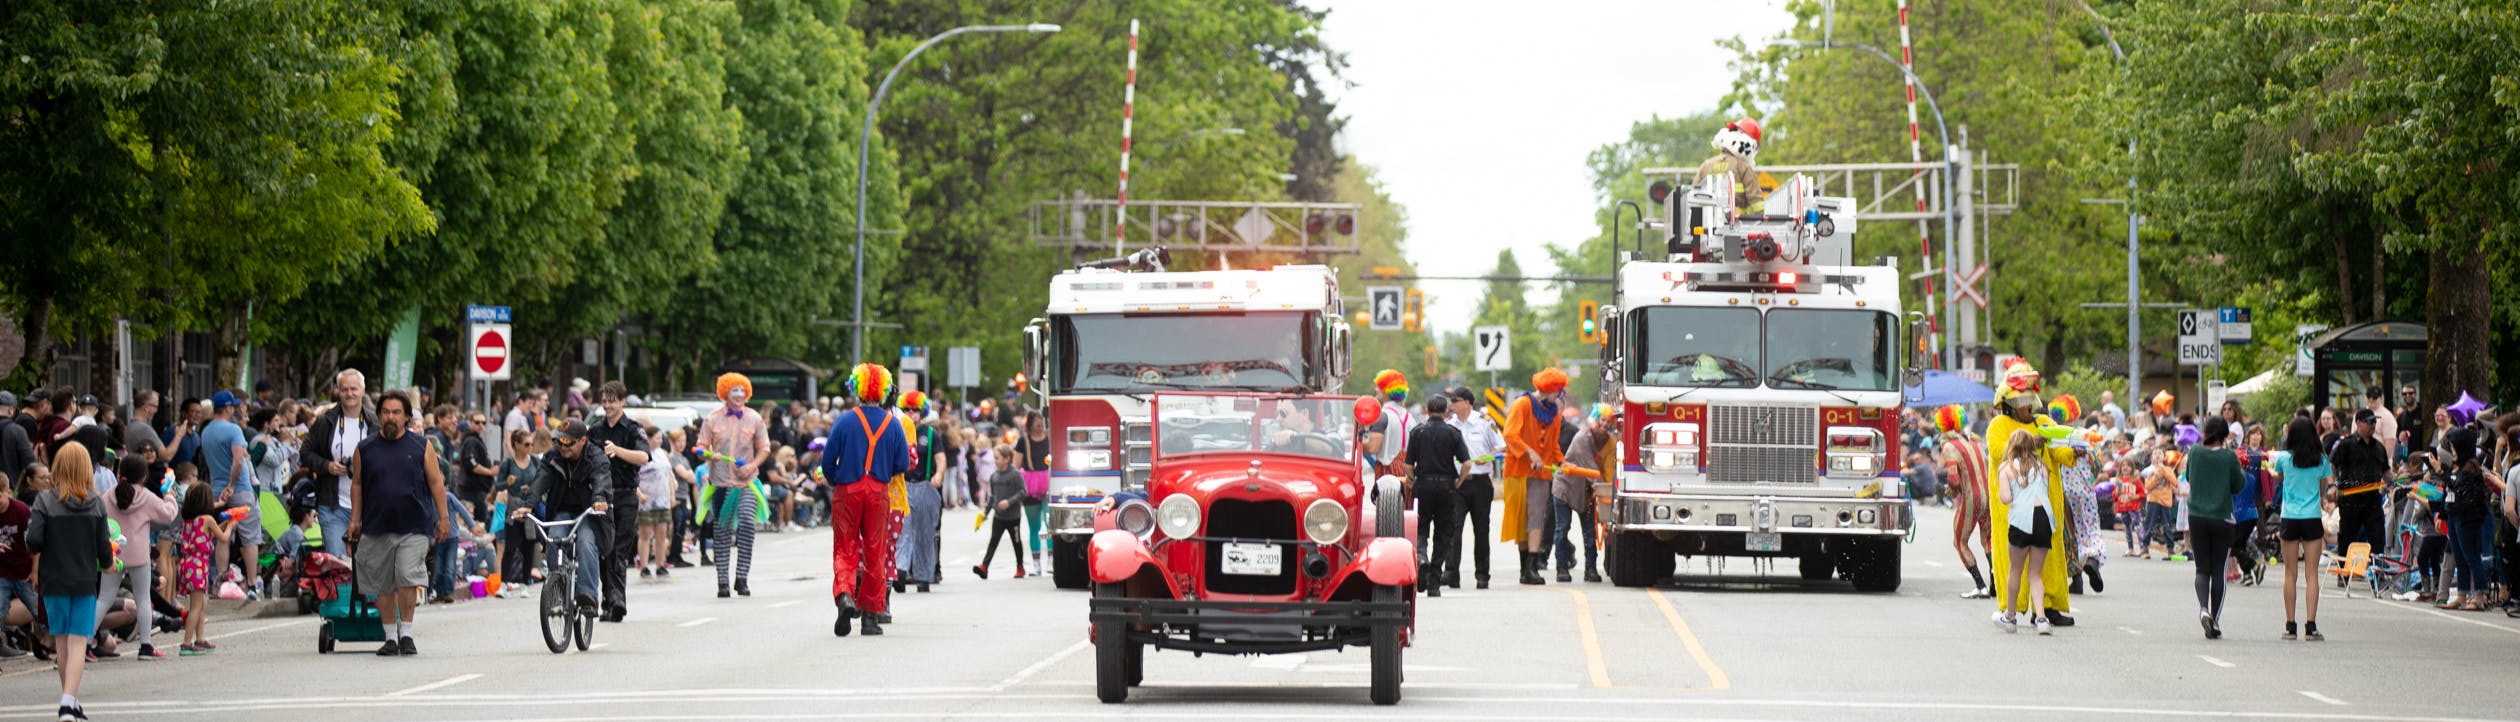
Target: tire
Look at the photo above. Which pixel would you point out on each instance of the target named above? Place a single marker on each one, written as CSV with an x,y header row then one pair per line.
x,y
1390,517
1137,664
1878,569
556,609
1818,566
1632,556
1386,654
1111,654
1067,564
324,639
585,631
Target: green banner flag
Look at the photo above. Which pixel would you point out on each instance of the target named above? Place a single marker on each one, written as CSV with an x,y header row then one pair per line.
x,y
402,350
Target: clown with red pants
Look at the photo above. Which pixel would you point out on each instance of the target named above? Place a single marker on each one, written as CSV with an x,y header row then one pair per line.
x,y
866,448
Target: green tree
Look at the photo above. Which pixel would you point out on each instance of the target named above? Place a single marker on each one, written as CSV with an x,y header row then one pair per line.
x,y
1382,233
1503,304
1617,172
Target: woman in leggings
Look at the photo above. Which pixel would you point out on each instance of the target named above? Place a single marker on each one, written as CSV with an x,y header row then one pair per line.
x,y
2213,483
1033,452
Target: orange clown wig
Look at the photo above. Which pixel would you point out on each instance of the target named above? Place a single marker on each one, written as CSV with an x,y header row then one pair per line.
x,y
729,382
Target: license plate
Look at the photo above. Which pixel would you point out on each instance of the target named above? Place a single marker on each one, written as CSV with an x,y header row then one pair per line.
x,y
1262,560
1768,542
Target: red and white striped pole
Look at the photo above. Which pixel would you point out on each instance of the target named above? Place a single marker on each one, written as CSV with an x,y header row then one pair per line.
x,y
1128,110
1916,154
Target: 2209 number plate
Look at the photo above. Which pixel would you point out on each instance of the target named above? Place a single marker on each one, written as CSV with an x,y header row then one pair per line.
x,y
1767,542
1263,560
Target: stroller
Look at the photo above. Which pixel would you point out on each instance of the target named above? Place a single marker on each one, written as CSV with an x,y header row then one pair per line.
x,y
347,616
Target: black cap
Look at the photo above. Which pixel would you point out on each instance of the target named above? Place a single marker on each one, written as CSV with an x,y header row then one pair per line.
x,y
571,430
2365,416
2373,392
1464,393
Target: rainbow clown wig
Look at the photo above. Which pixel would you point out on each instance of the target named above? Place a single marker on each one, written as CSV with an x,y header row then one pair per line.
x,y
1604,412
2064,409
914,401
870,383
1549,380
1952,420
731,381
1391,384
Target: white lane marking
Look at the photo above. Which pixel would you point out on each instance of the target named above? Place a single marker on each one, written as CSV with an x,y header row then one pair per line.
x,y
2216,662
788,603
1287,662
2421,608
2131,630
440,684
1931,563
598,645
2322,697
263,628
1037,667
696,622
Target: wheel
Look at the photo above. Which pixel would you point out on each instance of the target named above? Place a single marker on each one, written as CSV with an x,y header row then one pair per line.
x,y
324,639
1390,519
556,610
1632,556
585,631
1111,654
1818,566
1386,653
1136,664
1067,563
1878,570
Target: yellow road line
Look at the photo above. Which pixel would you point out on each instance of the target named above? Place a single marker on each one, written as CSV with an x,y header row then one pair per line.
x,y
1714,675
1590,636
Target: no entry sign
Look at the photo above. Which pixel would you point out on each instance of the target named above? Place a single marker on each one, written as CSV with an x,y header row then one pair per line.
x,y
490,352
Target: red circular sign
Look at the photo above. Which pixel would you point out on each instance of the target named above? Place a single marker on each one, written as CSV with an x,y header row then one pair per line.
x,y
490,352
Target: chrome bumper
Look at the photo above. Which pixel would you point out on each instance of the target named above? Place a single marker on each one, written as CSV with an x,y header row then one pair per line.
x,y
1777,514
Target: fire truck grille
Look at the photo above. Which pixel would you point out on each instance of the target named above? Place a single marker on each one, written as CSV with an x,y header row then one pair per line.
x,y
1751,444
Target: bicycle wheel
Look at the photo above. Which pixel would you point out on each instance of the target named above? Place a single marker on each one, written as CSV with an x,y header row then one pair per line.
x,y
558,612
585,631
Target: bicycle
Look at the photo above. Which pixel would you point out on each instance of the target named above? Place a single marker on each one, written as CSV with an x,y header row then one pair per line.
x,y
564,620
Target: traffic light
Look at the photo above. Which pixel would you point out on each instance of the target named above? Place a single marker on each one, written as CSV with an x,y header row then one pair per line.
x,y
1590,315
1413,312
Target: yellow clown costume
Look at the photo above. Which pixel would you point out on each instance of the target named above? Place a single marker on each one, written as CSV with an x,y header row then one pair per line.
x,y
2021,382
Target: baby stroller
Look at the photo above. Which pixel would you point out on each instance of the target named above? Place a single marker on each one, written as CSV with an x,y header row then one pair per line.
x,y
347,616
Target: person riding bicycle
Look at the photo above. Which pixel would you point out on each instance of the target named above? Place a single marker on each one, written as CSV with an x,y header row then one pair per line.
x,y
573,482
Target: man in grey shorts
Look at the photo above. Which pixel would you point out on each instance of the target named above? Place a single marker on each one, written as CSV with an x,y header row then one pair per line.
x,y
397,510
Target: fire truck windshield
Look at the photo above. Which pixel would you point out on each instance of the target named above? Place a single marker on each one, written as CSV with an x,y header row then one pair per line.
x,y
1141,353
1831,350
1736,348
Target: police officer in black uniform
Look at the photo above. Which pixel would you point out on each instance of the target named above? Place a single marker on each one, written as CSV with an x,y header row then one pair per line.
x,y
624,441
1435,452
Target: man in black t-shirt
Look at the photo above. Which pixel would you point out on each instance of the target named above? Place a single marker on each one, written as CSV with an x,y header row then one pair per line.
x,y
2362,471
1435,455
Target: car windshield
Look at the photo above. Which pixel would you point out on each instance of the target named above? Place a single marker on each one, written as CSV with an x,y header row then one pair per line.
x,y
1136,353
1706,347
1317,426
1832,350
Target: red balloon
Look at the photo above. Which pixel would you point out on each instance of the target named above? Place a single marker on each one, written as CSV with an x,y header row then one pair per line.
x,y
1368,411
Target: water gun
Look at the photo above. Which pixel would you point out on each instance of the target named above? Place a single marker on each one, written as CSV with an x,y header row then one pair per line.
x,y
115,528
166,486
714,456
234,514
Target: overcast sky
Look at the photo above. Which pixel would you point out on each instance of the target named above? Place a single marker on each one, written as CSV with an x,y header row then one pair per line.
x,y
1478,113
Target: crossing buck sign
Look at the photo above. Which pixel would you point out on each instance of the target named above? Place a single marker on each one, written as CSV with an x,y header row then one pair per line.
x,y
1493,351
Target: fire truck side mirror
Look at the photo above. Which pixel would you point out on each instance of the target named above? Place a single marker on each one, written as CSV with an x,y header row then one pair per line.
x,y
1918,355
1339,357
1036,342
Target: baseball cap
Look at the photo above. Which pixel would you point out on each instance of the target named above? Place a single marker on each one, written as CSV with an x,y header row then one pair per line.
x,y
571,430
87,399
2373,392
8,399
2365,416
222,399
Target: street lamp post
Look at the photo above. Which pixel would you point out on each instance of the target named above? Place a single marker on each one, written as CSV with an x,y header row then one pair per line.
x,y
857,314
1950,303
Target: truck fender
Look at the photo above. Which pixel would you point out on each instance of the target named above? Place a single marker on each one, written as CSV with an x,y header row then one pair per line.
x,y
1389,561
1115,555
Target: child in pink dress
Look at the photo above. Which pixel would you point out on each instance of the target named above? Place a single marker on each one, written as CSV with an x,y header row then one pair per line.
x,y
203,533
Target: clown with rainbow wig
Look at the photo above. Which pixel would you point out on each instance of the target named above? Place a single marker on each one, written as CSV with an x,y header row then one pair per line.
x,y
867,448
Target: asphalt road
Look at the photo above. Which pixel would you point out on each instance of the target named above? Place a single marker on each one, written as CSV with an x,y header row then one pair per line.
x,y
1738,645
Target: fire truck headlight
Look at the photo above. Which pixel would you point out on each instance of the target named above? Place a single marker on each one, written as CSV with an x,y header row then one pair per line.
x,y
1178,516
1325,522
